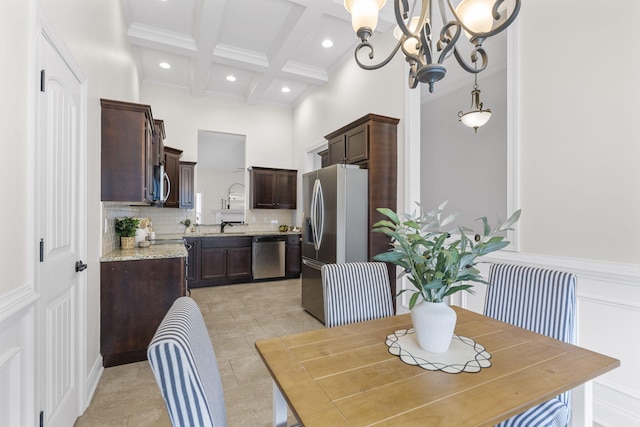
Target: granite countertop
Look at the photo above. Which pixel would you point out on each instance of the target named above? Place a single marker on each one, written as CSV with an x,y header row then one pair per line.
x,y
152,252
227,234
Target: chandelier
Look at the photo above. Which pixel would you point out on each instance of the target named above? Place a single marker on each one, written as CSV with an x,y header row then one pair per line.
x,y
478,19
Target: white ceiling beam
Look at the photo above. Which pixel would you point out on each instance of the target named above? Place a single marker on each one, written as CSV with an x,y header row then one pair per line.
x,y
155,38
207,22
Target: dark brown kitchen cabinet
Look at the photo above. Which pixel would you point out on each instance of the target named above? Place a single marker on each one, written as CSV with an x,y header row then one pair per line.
x,y
157,154
273,188
371,143
186,193
223,260
350,147
134,297
293,256
193,262
172,169
127,152
324,158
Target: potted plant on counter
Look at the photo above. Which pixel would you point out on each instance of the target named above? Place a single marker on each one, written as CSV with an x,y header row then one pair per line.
x,y
438,263
126,228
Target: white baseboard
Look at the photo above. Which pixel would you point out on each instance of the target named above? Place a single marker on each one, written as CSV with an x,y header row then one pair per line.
x,y
93,378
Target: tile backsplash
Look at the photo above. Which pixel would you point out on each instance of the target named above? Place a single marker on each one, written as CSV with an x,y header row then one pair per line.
x,y
167,221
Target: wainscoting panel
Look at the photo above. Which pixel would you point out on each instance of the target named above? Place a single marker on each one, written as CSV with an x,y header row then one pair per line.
x,y
17,358
608,314
61,351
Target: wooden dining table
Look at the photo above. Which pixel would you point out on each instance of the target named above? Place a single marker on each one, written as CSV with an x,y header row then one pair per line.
x,y
346,376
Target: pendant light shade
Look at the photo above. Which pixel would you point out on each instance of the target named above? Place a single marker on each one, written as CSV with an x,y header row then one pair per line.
x,y
476,116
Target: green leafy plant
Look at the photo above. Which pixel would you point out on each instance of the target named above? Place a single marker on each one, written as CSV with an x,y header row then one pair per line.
x,y
438,263
126,226
186,223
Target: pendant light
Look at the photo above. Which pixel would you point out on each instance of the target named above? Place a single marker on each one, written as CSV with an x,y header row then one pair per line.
x,y
476,116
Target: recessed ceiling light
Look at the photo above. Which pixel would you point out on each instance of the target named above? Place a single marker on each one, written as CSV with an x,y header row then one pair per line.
x,y
327,43
165,65
285,89
231,78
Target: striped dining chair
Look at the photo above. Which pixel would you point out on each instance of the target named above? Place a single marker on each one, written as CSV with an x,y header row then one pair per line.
x,y
543,301
355,292
184,364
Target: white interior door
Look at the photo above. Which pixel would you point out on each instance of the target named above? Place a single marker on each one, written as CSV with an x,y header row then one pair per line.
x,y
60,201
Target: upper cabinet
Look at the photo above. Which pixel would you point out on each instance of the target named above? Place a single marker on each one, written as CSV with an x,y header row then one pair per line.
x,y
350,147
172,169
273,188
127,152
187,190
157,154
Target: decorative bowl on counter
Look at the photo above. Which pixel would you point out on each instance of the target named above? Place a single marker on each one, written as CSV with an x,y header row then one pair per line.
x,y
284,228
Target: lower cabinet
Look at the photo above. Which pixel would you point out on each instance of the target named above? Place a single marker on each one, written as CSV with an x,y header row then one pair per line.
x,y
134,298
293,257
193,256
226,260
221,261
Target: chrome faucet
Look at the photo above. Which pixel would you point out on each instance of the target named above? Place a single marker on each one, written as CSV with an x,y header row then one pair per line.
x,y
223,224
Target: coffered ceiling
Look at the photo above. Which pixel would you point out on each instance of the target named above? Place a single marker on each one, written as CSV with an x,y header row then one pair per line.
x,y
265,44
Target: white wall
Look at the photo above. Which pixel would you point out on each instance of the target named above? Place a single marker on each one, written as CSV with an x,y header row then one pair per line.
x,y
267,128
17,29
579,149
17,293
350,94
468,169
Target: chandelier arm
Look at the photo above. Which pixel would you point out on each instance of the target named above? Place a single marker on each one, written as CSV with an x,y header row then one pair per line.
x,y
362,45
447,42
475,70
496,16
425,40
413,76
401,15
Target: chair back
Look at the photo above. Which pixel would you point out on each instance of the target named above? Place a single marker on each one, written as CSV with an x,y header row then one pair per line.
x,y
184,364
543,301
540,300
355,292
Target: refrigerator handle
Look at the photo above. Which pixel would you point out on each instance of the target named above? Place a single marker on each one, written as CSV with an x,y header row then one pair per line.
x,y
312,264
314,214
320,231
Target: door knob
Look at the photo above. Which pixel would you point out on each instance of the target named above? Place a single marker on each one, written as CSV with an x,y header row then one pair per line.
x,y
80,266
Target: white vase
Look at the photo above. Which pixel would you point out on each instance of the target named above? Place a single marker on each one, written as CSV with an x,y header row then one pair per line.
x,y
434,323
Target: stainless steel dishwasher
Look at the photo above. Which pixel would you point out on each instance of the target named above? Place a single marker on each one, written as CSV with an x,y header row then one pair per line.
x,y
268,256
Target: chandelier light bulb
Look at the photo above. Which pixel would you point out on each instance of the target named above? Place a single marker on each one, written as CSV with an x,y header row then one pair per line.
x,y
364,15
411,43
476,15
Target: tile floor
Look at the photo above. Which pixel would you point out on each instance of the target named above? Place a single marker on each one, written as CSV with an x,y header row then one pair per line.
x,y
236,316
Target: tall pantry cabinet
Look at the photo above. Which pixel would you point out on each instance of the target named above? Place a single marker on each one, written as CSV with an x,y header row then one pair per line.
x,y
371,143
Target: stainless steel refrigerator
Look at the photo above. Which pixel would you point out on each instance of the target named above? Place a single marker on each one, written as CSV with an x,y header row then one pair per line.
x,y
334,226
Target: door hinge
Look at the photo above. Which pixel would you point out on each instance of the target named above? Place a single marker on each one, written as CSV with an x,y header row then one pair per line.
x,y
41,418
42,77
41,250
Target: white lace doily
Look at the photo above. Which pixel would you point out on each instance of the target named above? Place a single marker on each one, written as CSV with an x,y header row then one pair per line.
x,y
464,354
